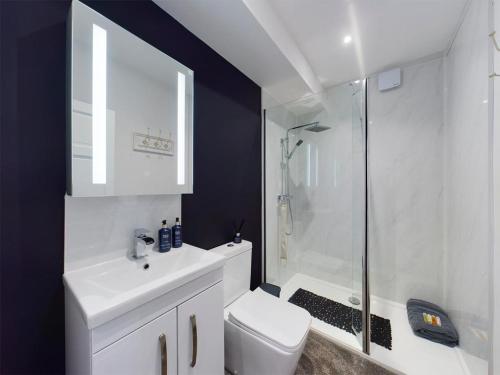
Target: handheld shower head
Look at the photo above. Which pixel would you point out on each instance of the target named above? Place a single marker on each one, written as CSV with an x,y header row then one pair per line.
x,y
295,148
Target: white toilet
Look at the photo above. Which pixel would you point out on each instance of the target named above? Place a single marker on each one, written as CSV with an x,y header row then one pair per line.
x,y
262,333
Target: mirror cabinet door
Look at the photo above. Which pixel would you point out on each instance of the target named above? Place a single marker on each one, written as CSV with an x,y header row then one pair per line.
x,y
131,113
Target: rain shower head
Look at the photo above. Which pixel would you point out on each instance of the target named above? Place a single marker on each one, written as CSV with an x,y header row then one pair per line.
x,y
316,128
312,127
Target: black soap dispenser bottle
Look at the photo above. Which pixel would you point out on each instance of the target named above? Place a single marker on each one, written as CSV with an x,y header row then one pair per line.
x,y
164,237
177,234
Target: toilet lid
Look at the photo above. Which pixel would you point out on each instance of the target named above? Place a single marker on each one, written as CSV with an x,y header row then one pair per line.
x,y
271,318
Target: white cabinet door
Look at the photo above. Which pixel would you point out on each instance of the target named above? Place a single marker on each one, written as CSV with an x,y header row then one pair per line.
x,y
201,333
140,352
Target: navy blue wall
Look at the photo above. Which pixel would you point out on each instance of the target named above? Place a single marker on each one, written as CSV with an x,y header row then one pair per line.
x,y
32,158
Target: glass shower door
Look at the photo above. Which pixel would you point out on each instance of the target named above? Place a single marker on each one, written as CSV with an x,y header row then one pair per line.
x,y
358,299
315,207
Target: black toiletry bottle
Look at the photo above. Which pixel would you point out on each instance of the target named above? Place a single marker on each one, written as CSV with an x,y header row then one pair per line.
x,y
177,233
164,237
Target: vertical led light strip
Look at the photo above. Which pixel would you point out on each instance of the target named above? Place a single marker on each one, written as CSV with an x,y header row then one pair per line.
x,y
181,127
99,105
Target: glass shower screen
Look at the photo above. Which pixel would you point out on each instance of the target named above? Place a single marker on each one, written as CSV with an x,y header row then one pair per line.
x,y
359,294
315,207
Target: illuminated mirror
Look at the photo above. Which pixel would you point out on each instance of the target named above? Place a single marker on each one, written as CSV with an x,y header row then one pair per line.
x,y
130,115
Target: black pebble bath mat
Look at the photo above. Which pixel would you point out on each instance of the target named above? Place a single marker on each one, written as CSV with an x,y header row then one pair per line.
x,y
341,316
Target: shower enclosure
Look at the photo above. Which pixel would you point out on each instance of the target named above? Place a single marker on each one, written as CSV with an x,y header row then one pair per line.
x,y
316,204
422,150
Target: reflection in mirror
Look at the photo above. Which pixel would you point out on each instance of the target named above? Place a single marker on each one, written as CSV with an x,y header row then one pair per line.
x,y
131,113
99,80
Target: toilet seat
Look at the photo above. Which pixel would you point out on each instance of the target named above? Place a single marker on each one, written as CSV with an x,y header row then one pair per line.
x,y
276,321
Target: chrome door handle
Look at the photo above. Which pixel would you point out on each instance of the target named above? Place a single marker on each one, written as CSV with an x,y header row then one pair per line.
x,y
164,360
194,333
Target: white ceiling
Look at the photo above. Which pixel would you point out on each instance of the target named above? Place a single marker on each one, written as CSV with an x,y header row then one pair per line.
x,y
295,47
385,33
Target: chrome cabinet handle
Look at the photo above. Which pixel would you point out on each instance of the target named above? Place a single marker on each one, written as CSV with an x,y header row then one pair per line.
x,y
163,347
194,332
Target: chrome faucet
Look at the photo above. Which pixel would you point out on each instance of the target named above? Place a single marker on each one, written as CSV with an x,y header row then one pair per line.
x,y
143,242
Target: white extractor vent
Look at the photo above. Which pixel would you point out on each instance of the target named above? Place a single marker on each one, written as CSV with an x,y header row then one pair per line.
x,y
389,80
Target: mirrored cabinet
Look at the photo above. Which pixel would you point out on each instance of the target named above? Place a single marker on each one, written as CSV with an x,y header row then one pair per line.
x,y
130,113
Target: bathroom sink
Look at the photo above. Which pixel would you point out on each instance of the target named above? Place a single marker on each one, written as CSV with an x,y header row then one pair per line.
x,y
109,289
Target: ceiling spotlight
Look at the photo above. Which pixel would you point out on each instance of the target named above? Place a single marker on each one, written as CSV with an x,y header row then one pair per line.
x,y
347,39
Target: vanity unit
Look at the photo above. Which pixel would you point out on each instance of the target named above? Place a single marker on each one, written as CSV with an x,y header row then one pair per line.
x,y
162,314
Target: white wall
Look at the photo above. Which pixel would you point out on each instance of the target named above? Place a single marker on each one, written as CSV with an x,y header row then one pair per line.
x,y
467,183
405,135
98,229
429,186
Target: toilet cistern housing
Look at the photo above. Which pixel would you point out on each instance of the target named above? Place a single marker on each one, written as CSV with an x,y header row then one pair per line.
x,y
236,269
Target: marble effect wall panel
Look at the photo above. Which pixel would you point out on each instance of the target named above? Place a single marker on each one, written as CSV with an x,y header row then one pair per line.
x,y
406,185
97,229
467,181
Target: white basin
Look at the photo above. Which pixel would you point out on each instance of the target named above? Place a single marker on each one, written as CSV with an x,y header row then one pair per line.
x,y
109,289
